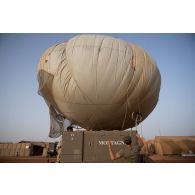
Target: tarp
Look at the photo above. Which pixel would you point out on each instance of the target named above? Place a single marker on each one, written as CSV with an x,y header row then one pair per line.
x,y
174,145
97,82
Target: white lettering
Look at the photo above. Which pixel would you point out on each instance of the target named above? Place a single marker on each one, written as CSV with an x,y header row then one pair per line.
x,y
118,143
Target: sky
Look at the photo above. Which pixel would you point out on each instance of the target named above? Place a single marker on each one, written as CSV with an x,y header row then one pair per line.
x,y
24,114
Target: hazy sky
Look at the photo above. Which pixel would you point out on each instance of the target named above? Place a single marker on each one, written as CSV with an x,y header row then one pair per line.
x,y
24,114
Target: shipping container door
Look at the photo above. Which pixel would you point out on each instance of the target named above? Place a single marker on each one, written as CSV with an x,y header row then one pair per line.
x,y
96,145
89,152
102,139
72,146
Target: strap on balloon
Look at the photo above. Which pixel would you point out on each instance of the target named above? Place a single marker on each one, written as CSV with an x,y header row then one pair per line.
x,y
137,117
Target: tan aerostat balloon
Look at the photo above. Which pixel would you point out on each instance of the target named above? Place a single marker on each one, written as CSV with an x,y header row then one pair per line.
x,y
97,82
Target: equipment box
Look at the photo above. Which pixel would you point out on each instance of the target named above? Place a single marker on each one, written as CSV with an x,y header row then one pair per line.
x,y
92,146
